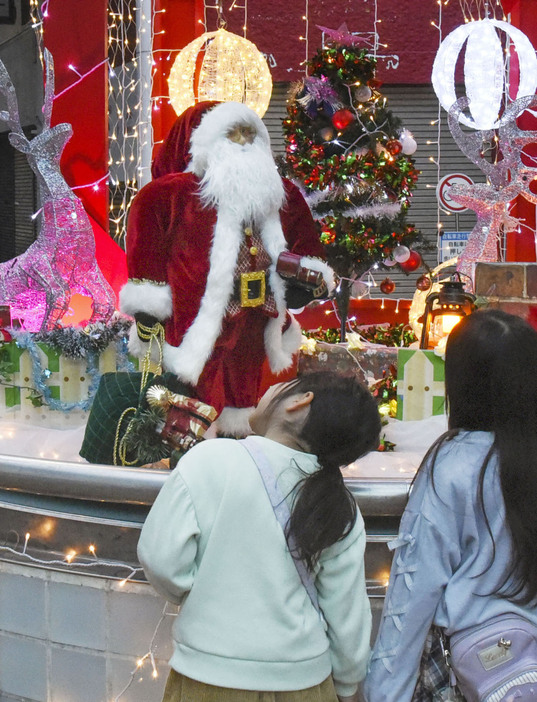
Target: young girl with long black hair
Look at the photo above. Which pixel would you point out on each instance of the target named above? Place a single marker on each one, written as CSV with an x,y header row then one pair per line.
x,y
467,544
247,629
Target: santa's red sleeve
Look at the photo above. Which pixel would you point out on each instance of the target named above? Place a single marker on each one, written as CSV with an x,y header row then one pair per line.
x,y
148,244
301,234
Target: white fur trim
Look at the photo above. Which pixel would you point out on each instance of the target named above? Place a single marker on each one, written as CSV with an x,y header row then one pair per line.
x,y
233,421
139,348
316,264
215,124
279,356
280,347
292,337
188,360
147,297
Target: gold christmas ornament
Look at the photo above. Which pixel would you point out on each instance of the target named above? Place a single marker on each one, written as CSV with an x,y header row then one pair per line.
x,y
232,70
158,397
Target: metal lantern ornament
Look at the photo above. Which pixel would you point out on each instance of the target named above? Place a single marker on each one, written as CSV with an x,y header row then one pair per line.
x,y
232,70
444,309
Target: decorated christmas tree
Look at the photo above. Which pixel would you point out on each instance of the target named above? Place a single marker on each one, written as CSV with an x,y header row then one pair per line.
x,y
352,158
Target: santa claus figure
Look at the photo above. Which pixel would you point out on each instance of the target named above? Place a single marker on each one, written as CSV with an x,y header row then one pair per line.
x,y
205,241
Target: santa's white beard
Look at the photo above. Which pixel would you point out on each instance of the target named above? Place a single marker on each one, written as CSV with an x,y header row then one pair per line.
x,y
242,180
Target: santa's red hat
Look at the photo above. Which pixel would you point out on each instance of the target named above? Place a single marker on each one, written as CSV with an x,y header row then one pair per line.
x,y
174,154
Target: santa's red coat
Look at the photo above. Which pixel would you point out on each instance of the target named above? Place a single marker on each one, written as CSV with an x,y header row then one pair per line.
x,y
169,240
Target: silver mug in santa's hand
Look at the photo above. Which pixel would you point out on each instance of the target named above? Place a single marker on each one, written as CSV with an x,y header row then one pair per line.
x,y
288,266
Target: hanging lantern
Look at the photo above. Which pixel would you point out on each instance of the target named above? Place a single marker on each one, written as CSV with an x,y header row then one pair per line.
x,y
484,69
232,70
443,310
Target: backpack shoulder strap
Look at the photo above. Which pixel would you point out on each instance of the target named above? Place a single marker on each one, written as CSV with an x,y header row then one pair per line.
x,y
281,511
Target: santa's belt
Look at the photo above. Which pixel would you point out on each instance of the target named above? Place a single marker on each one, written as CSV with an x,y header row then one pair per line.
x,y
251,289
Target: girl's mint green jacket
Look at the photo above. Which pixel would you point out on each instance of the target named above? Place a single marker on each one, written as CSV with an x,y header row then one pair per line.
x,y
212,544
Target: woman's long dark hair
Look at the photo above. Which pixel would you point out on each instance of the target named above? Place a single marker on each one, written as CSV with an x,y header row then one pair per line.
x,y
491,385
342,425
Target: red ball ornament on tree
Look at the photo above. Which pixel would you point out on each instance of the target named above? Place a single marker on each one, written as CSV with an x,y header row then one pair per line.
x,y
423,283
387,286
394,147
412,263
342,119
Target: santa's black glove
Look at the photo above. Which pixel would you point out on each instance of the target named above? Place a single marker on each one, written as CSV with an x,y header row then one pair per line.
x,y
142,319
296,296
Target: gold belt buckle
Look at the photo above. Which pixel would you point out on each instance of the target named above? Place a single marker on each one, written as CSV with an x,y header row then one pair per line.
x,y
253,288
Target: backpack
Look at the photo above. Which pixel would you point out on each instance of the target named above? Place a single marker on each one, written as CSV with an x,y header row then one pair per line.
x,y
496,661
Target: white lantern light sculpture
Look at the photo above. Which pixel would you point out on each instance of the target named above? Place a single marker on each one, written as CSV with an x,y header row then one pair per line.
x,y
484,69
232,69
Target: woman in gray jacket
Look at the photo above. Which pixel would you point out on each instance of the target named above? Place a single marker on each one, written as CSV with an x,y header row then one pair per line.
x,y
467,544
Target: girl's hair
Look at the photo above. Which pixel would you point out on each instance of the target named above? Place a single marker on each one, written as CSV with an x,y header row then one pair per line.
x,y
491,385
342,425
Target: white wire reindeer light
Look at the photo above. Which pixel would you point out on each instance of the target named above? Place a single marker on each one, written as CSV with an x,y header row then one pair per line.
x,y
508,178
38,284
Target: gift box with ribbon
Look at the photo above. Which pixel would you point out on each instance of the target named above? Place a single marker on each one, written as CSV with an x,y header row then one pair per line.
x,y
420,384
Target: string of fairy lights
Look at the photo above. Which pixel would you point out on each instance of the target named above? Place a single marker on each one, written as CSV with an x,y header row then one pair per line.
x,y
131,64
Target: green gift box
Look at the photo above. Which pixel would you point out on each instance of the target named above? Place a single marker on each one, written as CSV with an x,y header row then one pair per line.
x,y
420,384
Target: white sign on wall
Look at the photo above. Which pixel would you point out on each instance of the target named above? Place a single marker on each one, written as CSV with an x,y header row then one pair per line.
x,y
452,244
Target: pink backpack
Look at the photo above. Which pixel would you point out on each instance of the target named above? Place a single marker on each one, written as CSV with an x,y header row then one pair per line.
x,y
496,661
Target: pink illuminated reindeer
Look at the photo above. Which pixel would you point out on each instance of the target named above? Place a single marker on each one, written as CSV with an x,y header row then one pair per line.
x,y
508,178
38,284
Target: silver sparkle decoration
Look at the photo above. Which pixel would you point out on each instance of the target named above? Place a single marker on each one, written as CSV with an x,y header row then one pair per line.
x,y
38,284
508,178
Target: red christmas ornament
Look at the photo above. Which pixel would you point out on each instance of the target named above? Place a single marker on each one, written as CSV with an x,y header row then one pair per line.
x,y
423,283
342,118
394,147
412,263
387,286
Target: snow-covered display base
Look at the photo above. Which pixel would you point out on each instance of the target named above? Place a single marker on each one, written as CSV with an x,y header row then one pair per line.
x,y
411,439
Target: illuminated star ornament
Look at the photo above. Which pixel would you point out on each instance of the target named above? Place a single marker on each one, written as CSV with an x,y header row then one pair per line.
x,y
341,35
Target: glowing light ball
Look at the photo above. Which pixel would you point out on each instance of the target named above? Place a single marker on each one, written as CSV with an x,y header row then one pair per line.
x,y
484,69
232,70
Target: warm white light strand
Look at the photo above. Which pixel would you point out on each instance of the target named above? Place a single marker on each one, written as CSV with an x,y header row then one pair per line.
x,y
72,558
438,147
130,38
149,656
306,19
